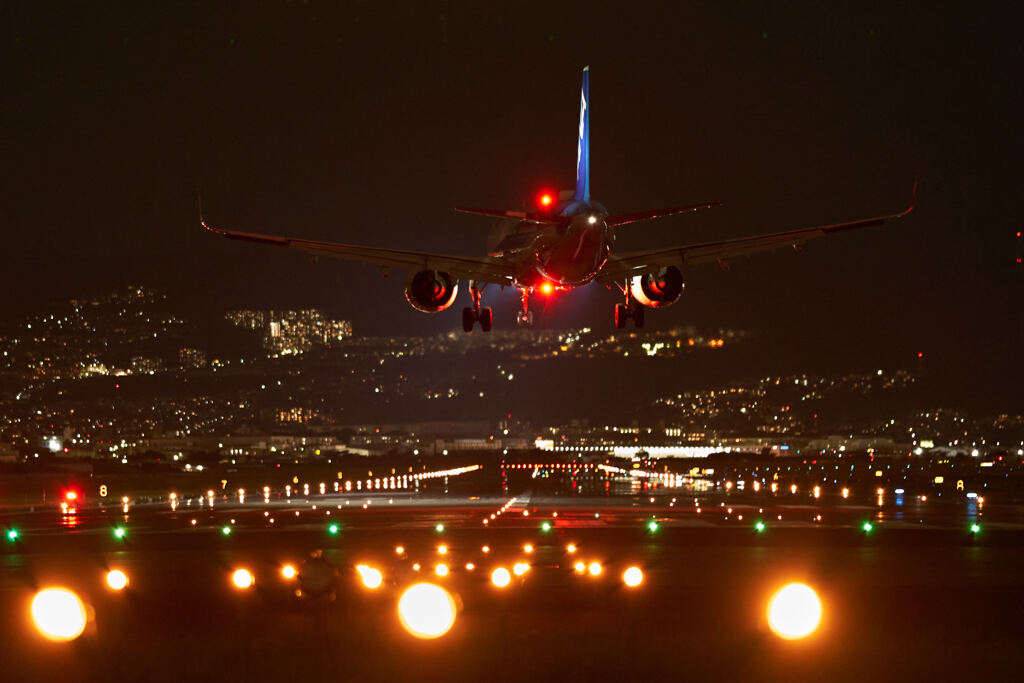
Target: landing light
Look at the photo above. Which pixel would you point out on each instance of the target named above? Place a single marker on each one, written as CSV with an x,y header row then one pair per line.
x,y
59,615
794,611
426,610
117,579
439,527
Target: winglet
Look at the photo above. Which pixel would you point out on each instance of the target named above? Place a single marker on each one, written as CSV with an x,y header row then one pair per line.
x,y
202,221
913,202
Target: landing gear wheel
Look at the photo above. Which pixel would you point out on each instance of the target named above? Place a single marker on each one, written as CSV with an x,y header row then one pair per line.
x,y
525,318
468,319
620,316
485,318
638,315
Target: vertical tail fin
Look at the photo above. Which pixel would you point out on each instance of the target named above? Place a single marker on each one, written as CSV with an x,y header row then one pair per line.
x,y
583,143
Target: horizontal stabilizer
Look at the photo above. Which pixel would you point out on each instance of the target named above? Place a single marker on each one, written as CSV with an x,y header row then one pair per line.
x,y
624,218
514,215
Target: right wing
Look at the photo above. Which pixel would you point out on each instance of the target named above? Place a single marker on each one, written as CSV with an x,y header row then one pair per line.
x,y
481,269
628,265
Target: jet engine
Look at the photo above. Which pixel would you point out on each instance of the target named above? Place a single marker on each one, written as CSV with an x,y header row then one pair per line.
x,y
431,291
658,289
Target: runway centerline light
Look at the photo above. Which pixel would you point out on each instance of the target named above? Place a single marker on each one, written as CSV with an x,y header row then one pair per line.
x,y
288,572
633,577
371,576
794,611
117,579
399,550
426,610
501,577
242,579
580,567
59,615
226,530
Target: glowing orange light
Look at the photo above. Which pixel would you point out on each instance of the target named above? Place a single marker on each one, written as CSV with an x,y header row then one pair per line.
x,y
546,199
71,495
546,288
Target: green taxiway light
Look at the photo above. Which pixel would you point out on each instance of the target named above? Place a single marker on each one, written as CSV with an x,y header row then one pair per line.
x,y
439,528
12,535
867,527
975,528
333,529
652,526
546,526
759,526
119,532
226,530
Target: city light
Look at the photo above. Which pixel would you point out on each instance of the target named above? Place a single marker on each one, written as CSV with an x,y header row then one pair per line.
x,y
794,611
633,577
242,578
501,577
545,526
288,572
426,610
117,579
58,614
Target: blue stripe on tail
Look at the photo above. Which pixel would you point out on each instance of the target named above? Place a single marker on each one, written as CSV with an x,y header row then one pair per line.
x,y
583,143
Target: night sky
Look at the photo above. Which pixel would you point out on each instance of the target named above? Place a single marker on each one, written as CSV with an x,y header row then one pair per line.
x,y
365,122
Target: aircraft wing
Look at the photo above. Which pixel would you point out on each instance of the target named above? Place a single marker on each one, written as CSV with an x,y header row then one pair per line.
x,y
623,266
481,269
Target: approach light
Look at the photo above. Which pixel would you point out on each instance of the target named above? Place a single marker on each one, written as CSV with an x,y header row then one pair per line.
x,y
119,533
242,578
288,572
501,577
333,529
759,527
426,610
117,579
633,577
794,611
59,615
371,576
867,527
975,528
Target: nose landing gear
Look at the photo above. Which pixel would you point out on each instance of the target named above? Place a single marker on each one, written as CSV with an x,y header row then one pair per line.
x,y
470,315
525,317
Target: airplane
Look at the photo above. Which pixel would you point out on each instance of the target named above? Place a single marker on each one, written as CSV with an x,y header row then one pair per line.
x,y
563,243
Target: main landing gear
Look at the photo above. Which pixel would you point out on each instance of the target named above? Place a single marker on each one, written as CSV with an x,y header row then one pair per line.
x,y
471,315
525,317
632,309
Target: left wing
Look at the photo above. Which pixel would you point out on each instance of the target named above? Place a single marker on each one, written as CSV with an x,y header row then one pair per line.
x,y
481,269
625,266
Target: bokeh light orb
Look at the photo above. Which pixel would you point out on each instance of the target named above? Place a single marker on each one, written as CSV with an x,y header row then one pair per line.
x,y
633,577
288,572
595,568
242,578
59,614
371,576
426,610
794,611
117,579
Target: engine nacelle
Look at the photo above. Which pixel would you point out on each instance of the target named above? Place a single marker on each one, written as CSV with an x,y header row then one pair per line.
x,y
431,291
658,289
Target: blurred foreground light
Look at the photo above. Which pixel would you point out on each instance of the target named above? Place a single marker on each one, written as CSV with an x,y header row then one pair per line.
x,y
759,527
595,568
426,610
226,530
867,527
794,611
441,569
117,579
571,548
288,571
975,528
12,535
371,576
59,615
580,567
633,577
520,568
333,529
501,577
119,533
242,578
439,527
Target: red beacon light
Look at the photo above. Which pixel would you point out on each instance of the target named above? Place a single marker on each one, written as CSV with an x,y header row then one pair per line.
x,y
546,200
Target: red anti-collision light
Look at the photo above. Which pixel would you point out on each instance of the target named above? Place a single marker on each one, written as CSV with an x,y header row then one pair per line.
x,y
546,199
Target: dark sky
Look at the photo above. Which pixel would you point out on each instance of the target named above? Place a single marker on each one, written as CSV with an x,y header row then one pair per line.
x,y
365,122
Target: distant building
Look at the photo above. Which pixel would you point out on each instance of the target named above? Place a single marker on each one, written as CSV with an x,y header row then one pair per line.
x,y
191,358
285,333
